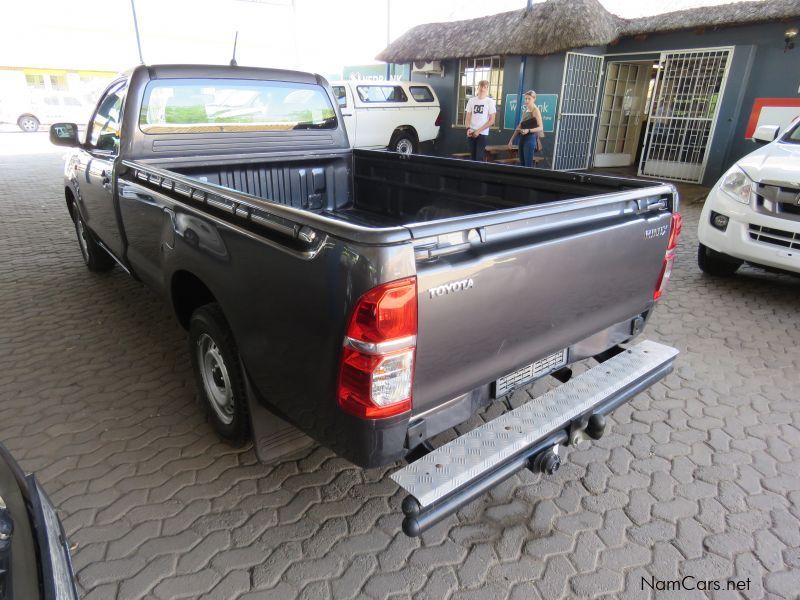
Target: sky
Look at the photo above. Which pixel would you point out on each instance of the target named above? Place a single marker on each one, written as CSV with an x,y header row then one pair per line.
x,y
310,35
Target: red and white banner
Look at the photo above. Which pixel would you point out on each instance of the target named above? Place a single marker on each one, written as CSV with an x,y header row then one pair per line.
x,y
772,111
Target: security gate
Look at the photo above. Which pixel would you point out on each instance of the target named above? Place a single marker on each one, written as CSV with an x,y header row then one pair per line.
x,y
577,112
683,111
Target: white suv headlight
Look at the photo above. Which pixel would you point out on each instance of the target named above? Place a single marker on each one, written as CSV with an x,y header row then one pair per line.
x,y
737,185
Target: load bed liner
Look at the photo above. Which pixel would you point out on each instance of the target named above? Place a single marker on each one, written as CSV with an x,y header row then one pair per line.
x,y
377,189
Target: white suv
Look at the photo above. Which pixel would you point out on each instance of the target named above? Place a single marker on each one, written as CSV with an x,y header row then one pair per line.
x,y
44,108
397,115
753,212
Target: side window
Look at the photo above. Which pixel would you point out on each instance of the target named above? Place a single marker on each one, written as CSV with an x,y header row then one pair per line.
x,y
421,93
51,100
70,101
341,95
107,120
381,93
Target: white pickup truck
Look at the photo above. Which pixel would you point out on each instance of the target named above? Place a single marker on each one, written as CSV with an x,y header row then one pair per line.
x,y
397,115
752,214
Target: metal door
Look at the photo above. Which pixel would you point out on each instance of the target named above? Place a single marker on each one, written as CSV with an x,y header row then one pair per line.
x,y
683,112
578,111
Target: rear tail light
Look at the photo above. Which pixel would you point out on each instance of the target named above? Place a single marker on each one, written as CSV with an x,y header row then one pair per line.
x,y
438,119
377,365
669,257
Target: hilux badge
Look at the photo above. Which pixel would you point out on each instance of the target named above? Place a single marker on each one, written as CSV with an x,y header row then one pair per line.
x,y
649,234
452,287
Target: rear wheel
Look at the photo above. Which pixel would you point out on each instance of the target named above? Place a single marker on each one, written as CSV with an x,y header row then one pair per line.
x,y
28,123
716,263
95,258
218,373
403,142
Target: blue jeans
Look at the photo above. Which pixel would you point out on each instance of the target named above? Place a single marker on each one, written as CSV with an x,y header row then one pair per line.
x,y
477,147
527,148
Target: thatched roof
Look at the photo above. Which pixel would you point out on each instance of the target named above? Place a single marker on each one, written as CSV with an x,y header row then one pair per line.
x,y
557,25
724,15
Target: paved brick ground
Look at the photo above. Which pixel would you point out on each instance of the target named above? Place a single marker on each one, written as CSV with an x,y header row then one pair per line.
x,y
698,477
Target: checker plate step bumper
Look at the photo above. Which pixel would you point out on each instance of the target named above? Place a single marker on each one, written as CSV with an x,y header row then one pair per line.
x,y
456,473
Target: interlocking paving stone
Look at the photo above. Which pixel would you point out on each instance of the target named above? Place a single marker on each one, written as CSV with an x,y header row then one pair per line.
x,y
700,475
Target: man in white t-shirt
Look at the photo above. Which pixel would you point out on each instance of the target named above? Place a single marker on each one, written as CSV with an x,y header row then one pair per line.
x,y
481,110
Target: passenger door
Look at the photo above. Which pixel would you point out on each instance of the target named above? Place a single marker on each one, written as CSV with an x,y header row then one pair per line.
x,y
378,109
96,169
50,109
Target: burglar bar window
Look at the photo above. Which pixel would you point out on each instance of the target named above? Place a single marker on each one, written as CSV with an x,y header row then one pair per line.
x,y
473,70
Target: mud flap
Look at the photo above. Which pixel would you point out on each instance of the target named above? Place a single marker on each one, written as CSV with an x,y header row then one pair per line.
x,y
273,437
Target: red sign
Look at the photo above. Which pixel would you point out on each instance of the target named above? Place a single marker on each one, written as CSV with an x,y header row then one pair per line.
x,y
772,111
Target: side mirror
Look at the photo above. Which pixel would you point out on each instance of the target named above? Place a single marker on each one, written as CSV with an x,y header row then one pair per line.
x,y
766,134
64,134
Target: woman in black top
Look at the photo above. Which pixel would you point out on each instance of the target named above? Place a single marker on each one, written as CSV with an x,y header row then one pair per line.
x,y
527,130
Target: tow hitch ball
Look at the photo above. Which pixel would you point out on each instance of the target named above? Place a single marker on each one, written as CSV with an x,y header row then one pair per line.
x,y
592,428
548,461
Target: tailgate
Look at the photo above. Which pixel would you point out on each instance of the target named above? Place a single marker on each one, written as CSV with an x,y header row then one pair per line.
x,y
517,288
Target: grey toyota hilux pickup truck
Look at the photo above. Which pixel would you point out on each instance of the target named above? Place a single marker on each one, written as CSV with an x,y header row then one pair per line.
x,y
371,299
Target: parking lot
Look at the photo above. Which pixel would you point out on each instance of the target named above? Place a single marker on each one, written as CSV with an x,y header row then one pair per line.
x,y
700,476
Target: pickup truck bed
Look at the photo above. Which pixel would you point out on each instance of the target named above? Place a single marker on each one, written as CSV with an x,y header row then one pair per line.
x,y
382,189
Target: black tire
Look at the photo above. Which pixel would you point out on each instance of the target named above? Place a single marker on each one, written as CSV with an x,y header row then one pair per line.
x,y
94,257
218,374
404,142
28,123
716,263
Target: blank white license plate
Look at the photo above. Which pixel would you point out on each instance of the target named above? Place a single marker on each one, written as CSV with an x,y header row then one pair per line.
x,y
540,368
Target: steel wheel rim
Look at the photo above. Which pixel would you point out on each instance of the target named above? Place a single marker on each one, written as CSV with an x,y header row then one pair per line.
x,y
29,124
405,146
82,241
216,381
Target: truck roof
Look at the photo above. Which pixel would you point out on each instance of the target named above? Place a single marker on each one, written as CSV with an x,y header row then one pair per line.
x,y
178,71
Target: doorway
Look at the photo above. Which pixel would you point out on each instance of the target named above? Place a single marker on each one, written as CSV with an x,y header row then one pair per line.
x,y
622,114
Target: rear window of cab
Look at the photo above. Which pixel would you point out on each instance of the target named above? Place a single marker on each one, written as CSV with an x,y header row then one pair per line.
x,y
222,105
421,93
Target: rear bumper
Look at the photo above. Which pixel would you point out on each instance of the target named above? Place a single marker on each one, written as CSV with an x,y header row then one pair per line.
x,y
460,471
